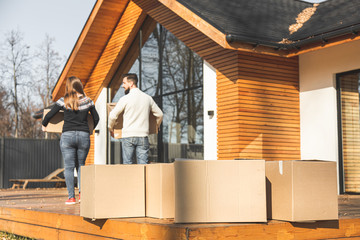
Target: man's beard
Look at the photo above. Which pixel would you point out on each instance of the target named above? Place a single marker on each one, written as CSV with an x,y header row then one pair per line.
x,y
127,91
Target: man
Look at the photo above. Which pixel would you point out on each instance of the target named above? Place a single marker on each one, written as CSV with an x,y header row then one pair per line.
x,y
136,106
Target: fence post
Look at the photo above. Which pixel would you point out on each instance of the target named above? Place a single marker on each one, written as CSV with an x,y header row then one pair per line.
x,y
2,160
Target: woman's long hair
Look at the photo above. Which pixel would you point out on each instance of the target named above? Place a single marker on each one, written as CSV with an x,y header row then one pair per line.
x,y
72,89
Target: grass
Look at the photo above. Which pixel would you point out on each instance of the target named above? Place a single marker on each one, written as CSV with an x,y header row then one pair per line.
x,y
11,236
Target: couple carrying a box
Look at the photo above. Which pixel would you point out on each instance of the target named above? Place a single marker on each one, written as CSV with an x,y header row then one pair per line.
x,y
75,138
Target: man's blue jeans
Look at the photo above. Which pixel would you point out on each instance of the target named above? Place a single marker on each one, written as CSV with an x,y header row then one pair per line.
x,y
138,145
74,147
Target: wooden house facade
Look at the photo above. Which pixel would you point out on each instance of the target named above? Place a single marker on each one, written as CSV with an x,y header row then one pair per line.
x,y
262,98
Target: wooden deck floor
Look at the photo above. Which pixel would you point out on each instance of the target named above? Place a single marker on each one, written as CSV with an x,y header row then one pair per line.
x,y
42,214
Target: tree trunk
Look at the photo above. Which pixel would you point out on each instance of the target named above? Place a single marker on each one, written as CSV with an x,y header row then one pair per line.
x,y
16,106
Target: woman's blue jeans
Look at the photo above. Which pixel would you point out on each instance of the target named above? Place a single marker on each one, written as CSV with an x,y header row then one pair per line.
x,y
138,145
74,147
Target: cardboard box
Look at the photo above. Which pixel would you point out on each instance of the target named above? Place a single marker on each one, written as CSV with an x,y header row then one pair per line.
x,y
302,190
56,123
153,129
160,190
112,191
220,191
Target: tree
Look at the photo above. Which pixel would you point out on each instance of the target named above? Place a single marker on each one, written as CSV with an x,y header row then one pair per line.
x,y
48,69
47,72
5,117
28,126
171,64
183,71
15,71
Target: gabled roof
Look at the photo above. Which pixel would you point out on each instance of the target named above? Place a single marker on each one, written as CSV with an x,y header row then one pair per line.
x,y
261,26
267,22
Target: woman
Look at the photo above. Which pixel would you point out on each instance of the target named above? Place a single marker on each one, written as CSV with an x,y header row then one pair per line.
x,y
75,138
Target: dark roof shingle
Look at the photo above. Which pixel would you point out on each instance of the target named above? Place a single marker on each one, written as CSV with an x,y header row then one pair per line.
x,y
267,22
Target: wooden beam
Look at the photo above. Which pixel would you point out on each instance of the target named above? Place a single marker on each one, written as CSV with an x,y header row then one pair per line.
x,y
46,225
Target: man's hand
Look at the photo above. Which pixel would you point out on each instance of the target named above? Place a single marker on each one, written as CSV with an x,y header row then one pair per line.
x,y
112,133
43,128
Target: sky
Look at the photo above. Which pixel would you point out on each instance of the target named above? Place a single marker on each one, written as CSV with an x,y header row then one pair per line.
x,y
62,20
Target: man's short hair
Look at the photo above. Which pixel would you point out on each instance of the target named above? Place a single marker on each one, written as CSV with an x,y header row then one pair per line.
x,y
131,77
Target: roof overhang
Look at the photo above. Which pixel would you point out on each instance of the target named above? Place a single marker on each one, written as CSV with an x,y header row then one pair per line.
x,y
91,42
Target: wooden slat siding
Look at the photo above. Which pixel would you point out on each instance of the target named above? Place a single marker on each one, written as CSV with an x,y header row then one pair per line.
x,y
258,114
91,42
227,88
350,131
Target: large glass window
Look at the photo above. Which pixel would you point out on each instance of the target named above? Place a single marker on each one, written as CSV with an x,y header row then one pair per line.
x,y
349,130
172,74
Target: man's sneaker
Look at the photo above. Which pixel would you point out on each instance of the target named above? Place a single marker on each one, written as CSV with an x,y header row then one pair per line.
x,y
70,201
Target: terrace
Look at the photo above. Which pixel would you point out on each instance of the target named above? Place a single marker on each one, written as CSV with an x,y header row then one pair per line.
x,y
42,214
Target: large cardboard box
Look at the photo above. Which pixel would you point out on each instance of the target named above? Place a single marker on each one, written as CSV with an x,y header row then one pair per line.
x,y
56,123
112,191
220,191
153,129
302,190
160,190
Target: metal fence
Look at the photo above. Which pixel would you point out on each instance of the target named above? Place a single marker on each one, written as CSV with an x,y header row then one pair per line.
x,y
28,158
36,158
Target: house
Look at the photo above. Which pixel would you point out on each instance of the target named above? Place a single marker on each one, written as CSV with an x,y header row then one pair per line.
x,y
264,79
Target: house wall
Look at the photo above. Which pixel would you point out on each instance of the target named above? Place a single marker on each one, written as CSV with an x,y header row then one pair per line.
x,y
257,96
318,103
100,138
210,122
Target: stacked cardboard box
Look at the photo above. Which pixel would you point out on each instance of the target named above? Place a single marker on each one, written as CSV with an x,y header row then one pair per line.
x,y
160,190
194,191
56,123
302,190
220,191
112,191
